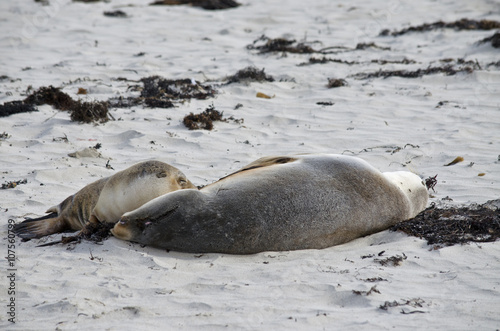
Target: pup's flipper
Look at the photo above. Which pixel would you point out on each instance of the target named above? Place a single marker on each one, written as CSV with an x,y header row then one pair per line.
x,y
40,227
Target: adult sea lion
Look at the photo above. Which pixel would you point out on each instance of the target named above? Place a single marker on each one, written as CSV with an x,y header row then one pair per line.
x,y
278,203
106,199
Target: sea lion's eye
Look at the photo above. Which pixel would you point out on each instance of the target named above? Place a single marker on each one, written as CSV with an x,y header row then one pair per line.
x,y
182,181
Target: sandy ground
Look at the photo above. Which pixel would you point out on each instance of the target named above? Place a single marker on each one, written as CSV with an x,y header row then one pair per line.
x,y
396,123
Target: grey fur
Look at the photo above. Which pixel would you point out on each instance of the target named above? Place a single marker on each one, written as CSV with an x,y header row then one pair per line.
x,y
312,201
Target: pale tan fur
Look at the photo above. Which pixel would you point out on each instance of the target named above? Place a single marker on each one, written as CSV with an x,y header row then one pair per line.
x,y
105,200
130,189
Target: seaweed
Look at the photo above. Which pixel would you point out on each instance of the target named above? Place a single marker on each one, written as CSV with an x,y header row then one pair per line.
x,y
205,4
448,70
388,149
325,103
462,24
13,184
393,261
494,40
94,232
403,61
115,13
156,92
373,289
323,60
456,160
249,74
415,303
334,82
264,44
50,95
16,107
431,182
493,64
374,279
160,92
89,112
455,225
371,45
264,96
203,120
121,102
280,45
86,112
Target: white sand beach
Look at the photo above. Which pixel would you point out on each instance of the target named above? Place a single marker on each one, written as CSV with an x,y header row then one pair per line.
x,y
395,123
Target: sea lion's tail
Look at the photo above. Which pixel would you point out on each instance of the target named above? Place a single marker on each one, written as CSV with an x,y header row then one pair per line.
x,y
39,227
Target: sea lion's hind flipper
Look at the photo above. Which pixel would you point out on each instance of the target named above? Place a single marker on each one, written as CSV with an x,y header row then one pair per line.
x,y
264,162
40,227
51,215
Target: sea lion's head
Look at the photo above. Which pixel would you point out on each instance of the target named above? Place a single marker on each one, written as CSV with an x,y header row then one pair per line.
x,y
131,188
155,219
132,224
128,229
413,188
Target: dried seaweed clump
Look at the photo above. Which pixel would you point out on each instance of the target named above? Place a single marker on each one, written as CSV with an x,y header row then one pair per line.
x,y
115,13
86,112
124,102
249,74
279,45
494,40
393,261
323,60
13,184
202,120
335,82
95,232
89,112
462,24
50,95
450,226
415,303
205,4
363,46
16,107
160,92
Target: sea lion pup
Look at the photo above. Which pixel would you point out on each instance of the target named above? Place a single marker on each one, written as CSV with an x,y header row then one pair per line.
x,y
278,203
106,199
